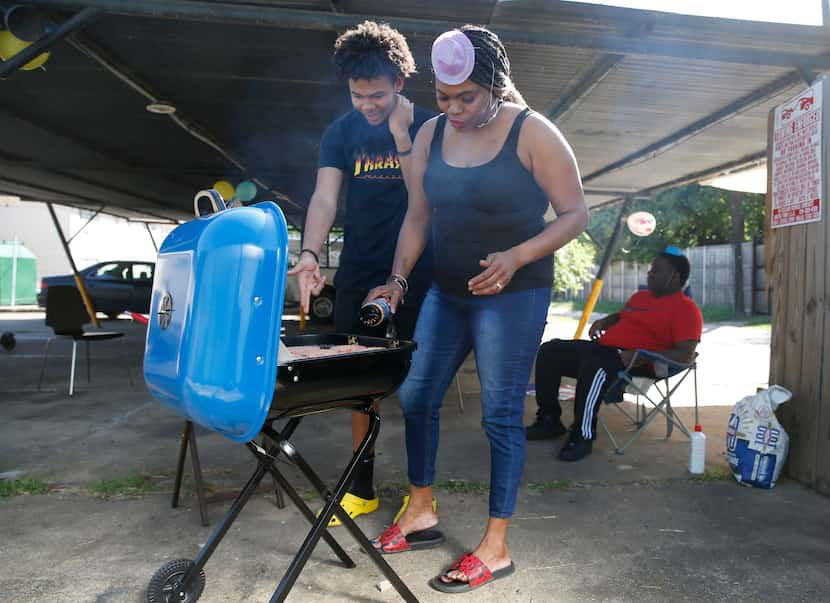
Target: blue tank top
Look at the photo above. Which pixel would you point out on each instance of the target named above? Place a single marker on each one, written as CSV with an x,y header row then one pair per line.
x,y
483,209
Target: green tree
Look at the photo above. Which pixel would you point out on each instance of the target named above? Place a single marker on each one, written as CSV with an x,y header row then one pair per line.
x,y
687,216
573,265
754,215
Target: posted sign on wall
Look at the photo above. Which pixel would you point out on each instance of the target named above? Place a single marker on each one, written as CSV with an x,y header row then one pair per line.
x,y
796,160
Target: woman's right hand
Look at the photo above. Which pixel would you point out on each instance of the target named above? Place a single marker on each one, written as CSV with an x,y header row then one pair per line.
x,y
309,279
389,291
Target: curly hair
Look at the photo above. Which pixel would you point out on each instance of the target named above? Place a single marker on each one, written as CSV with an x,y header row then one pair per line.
x,y
492,66
371,50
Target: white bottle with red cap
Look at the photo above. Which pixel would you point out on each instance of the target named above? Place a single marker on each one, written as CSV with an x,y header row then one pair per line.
x,y
697,450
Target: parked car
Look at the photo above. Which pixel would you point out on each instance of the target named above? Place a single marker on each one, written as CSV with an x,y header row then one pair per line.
x,y
115,287
124,286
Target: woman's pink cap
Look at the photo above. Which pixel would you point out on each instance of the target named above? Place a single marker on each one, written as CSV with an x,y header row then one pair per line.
x,y
453,57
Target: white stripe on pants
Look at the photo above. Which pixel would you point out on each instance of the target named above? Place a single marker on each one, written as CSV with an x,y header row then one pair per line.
x,y
591,403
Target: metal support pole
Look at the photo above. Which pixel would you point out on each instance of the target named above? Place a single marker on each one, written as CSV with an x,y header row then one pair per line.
x,y
583,88
87,223
606,261
71,25
78,280
152,238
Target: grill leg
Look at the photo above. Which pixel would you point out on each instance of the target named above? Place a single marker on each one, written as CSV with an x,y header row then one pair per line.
x,y
225,524
331,507
308,513
189,438
185,438
282,482
279,500
236,507
197,477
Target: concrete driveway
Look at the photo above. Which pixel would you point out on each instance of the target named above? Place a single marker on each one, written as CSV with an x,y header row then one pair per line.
x,y
608,528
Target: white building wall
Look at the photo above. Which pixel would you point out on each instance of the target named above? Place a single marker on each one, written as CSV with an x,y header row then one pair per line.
x,y
105,238
32,225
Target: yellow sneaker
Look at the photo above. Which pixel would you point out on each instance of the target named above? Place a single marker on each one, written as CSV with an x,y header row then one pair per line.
x,y
354,506
406,504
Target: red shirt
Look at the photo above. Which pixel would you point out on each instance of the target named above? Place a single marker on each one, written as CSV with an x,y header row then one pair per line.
x,y
655,323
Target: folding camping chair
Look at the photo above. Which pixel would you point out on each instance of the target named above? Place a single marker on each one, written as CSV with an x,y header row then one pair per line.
x,y
667,376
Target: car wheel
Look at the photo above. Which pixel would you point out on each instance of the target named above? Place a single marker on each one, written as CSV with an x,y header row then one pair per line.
x,y
322,306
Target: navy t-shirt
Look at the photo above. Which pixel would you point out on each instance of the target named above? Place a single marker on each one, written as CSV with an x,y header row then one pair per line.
x,y
376,197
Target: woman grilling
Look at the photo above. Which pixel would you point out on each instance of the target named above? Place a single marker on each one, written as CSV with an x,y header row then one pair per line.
x,y
484,174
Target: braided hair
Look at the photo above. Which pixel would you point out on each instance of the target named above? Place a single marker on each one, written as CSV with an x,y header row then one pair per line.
x,y
492,67
370,50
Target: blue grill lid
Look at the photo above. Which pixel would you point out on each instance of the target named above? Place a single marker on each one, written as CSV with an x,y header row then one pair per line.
x,y
216,309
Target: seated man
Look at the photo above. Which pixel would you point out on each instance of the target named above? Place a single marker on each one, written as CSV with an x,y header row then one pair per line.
x,y
660,319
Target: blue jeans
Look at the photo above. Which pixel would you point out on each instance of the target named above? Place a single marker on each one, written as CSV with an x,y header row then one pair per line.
x,y
504,331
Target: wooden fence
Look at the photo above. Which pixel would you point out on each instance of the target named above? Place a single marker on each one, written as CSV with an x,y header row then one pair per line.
x,y
712,280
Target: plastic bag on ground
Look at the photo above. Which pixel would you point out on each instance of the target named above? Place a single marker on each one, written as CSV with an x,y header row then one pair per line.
x,y
756,444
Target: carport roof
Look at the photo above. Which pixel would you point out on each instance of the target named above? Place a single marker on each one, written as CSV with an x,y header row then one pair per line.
x,y
646,99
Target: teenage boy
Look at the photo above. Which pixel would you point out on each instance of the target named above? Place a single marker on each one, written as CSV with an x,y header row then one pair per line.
x,y
367,150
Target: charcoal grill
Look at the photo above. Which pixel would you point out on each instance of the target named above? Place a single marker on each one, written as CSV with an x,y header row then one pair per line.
x,y
212,356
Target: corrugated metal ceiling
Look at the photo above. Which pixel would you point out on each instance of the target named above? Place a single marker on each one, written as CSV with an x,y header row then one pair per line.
x,y
260,83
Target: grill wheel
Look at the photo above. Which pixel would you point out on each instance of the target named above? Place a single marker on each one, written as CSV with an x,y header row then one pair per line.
x,y
164,585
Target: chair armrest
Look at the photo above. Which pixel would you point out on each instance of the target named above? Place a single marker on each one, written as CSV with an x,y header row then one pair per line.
x,y
663,366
